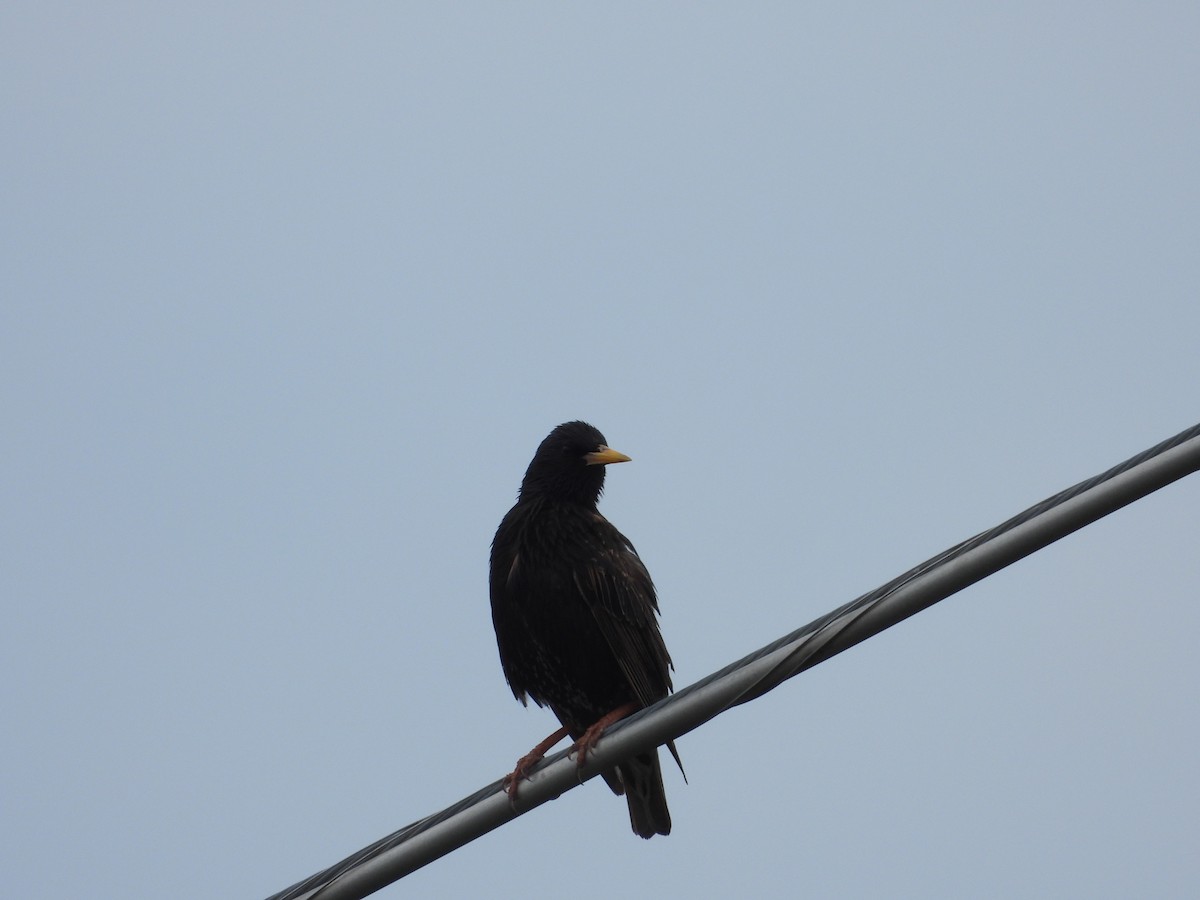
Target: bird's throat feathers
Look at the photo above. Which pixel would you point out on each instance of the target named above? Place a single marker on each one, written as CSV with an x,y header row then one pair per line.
x,y
583,485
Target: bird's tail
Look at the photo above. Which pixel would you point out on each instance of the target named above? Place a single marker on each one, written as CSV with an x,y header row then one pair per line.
x,y
642,783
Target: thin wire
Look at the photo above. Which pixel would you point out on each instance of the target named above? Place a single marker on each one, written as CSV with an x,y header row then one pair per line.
x,y
423,841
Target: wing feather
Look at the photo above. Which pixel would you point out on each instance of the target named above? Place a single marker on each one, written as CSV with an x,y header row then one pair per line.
x,y
625,607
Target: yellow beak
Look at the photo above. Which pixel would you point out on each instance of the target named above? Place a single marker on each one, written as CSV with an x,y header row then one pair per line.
x,y
602,456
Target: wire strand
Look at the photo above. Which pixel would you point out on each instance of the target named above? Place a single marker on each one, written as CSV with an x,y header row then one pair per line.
x,y
425,840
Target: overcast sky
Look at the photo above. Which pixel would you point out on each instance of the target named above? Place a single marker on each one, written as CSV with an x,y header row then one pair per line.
x,y
291,293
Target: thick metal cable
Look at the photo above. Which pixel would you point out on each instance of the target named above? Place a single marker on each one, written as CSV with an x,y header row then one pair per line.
x,y
421,842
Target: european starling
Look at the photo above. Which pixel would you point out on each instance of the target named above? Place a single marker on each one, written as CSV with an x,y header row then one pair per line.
x,y
575,615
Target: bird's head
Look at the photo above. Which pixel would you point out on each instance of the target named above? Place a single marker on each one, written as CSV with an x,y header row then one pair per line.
x,y
569,464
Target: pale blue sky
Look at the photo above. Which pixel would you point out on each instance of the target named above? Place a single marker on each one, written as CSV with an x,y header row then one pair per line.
x,y
293,291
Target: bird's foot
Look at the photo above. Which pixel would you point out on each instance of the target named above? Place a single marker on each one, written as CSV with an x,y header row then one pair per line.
x,y
526,764
584,745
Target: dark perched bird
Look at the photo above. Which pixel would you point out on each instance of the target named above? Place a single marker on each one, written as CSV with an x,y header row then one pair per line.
x,y
575,615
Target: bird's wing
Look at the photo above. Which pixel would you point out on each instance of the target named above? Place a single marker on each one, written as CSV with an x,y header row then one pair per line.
x,y
504,568
625,609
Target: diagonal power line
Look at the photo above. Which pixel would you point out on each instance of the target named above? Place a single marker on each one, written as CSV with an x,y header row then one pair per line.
x,y
415,845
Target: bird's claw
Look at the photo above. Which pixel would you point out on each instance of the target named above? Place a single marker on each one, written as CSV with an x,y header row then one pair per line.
x,y
512,780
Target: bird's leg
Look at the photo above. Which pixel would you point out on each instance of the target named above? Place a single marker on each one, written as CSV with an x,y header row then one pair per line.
x,y
584,745
526,763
